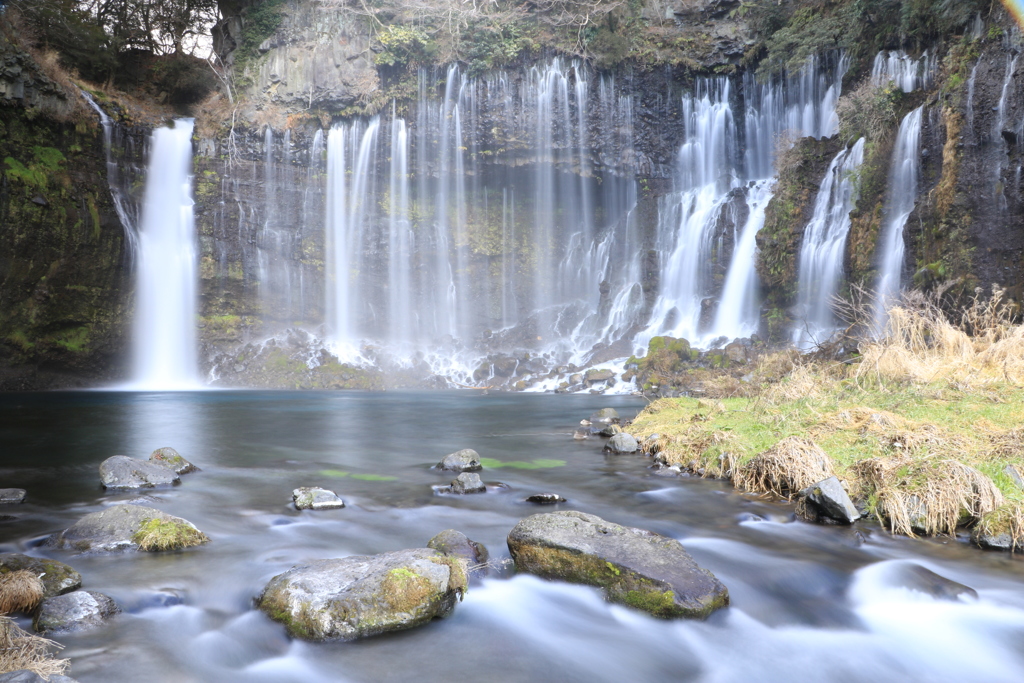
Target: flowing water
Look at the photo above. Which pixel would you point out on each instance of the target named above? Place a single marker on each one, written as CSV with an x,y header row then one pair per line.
x,y
907,73
823,249
164,336
832,600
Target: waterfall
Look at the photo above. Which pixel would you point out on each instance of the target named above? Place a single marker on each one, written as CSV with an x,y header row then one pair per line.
x,y
1000,132
165,299
907,73
902,195
823,249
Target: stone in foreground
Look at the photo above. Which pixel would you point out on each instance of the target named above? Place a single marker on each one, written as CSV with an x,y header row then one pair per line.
x,y
77,611
316,498
361,596
827,501
452,542
466,460
171,459
12,496
634,567
57,577
122,472
128,527
26,676
622,443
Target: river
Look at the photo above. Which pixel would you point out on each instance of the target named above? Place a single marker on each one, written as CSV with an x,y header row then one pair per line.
x,y
826,603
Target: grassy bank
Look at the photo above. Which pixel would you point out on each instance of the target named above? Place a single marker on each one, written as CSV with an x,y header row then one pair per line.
x,y
925,429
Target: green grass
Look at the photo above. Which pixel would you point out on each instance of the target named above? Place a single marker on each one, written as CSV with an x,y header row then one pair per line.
x,y
538,464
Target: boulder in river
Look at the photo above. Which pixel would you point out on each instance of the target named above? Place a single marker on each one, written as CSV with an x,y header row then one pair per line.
x,y
465,460
467,482
827,502
26,676
635,567
57,577
917,578
622,443
360,596
128,527
545,499
122,472
452,542
170,458
12,496
609,430
316,498
75,611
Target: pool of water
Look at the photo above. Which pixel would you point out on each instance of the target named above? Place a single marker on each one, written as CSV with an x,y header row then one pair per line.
x,y
826,602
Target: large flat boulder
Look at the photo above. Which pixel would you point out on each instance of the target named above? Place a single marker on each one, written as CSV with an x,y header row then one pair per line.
x,y
358,596
128,527
57,577
635,567
122,472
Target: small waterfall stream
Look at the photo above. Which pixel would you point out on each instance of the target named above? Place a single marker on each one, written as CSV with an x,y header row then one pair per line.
x,y
823,249
902,196
164,338
906,72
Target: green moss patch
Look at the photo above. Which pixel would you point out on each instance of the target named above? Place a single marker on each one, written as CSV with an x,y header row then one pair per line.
x,y
538,464
155,535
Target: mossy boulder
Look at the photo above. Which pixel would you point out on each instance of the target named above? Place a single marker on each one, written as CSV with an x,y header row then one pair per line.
x,y
452,542
128,527
122,472
57,577
171,459
359,596
634,567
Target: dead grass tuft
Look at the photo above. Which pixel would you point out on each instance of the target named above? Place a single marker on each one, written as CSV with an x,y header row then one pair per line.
x,y
925,495
784,469
20,591
21,650
1006,519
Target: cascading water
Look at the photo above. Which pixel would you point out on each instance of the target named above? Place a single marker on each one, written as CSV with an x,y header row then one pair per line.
x,y
500,237
902,196
907,73
823,249
165,299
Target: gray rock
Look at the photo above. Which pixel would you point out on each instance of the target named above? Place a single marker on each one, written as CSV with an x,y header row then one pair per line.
x,y
57,577
736,353
828,499
76,611
122,472
316,498
609,430
622,443
360,596
170,458
466,460
634,567
12,496
468,482
452,542
605,416
576,378
915,577
117,528
593,376
1010,470
1001,540
505,366
26,676
545,499
581,433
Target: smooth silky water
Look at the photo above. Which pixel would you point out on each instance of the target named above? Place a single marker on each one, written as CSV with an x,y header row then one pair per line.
x,y
806,599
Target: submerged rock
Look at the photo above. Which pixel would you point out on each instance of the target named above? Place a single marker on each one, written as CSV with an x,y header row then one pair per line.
x,y
57,577
827,501
545,499
634,567
917,578
456,543
467,482
128,527
316,498
170,458
360,596
605,415
26,676
466,460
122,472
75,611
622,443
12,496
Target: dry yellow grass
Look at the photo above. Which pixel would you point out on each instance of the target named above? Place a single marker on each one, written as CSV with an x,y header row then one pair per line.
x,y
20,591
20,650
792,464
1006,519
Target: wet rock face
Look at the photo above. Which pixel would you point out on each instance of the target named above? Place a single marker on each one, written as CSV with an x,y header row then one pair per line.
x,y
75,611
316,498
634,567
467,482
26,676
12,496
57,577
361,596
452,542
171,459
827,501
465,460
122,472
622,443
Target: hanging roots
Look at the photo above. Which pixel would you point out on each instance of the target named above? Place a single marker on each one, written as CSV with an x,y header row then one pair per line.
x,y
20,591
20,650
784,469
929,495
